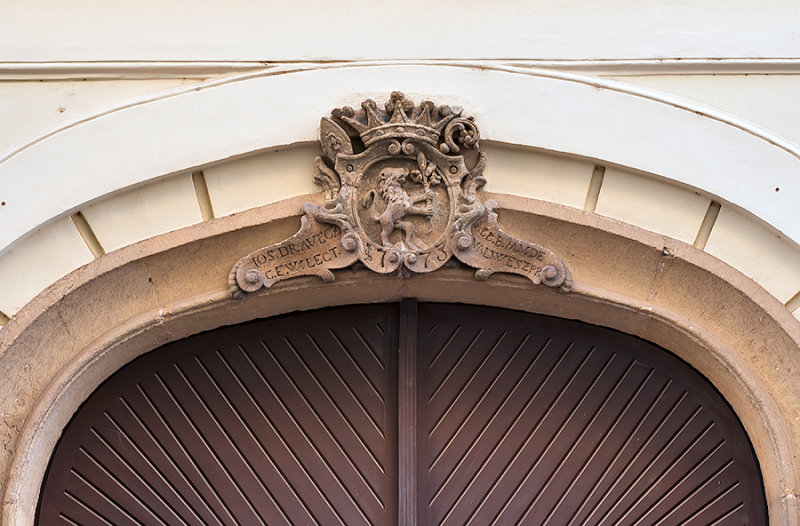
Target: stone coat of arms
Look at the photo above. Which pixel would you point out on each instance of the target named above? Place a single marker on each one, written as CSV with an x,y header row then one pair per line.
x,y
401,189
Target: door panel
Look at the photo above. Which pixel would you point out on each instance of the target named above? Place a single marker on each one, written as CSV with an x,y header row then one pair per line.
x,y
534,420
508,418
289,420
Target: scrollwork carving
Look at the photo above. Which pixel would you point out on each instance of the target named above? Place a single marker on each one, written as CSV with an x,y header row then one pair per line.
x,y
408,199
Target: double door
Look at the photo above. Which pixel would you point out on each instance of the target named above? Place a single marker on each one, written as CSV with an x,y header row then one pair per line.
x,y
405,414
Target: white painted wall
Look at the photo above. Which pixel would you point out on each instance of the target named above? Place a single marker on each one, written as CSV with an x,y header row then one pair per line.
x,y
244,30
32,109
771,101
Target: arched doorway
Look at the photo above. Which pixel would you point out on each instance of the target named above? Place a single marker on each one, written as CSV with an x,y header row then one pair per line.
x,y
410,414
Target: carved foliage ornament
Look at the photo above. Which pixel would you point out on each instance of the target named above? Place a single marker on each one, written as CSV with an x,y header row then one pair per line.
x,y
401,189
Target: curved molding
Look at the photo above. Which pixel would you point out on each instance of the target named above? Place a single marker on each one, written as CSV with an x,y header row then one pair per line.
x,y
154,292
203,69
634,127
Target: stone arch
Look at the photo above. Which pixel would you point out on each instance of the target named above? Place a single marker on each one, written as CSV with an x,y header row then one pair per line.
x,y
59,347
88,325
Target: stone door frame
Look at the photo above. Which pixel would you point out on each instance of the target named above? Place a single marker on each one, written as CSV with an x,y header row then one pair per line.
x,y
89,324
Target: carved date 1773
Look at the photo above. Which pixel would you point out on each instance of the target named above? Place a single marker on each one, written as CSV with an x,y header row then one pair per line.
x,y
409,198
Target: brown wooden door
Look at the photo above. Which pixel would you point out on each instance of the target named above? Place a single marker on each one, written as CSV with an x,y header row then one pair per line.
x,y
405,414
528,419
281,421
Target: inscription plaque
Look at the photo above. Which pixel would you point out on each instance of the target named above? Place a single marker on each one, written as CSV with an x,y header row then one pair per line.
x,y
491,250
401,187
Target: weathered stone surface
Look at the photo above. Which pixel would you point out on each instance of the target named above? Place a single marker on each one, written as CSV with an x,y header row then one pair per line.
x,y
491,250
313,251
409,198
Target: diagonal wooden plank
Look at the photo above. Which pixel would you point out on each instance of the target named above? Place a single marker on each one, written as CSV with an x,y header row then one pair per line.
x,y
262,446
112,458
165,457
302,435
178,440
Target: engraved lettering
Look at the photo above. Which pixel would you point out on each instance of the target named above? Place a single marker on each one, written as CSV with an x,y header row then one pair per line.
x,y
511,261
409,198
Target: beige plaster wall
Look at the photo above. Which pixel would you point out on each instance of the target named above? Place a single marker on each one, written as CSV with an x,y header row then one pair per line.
x,y
653,204
260,179
750,246
143,212
645,201
52,252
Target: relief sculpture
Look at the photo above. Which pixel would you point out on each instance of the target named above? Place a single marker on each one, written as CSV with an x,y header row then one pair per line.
x,y
401,190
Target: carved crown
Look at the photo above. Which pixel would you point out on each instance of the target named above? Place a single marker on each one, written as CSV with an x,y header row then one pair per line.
x,y
402,119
